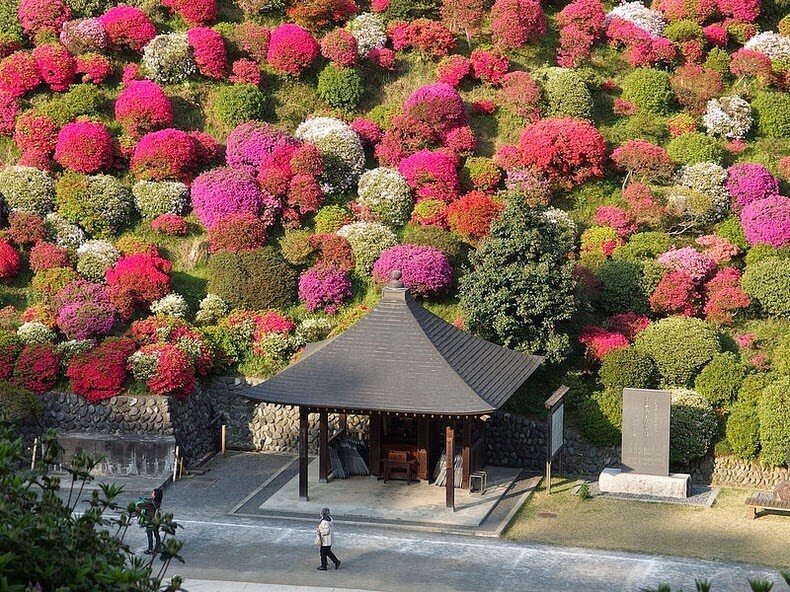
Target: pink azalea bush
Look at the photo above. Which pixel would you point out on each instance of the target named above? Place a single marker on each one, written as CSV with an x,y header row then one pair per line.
x,y
689,261
581,22
9,108
767,221
598,341
42,16
324,288
292,49
56,66
85,147
489,66
516,22
223,191
676,293
432,175
748,182
617,218
85,310
165,154
453,69
340,48
250,142
424,270
717,248
208,47
143,107
725,297
127,27
19,74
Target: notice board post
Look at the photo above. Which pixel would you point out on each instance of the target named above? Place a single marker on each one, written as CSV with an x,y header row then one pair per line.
x,y
555,429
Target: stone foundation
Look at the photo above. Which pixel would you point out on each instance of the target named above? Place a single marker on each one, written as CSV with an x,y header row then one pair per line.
x,y
675,485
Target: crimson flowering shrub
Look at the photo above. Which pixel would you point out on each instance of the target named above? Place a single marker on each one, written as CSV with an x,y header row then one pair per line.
x,y
453,69
245,71
628,323
250,142
688,260
436,105
42,16
581,22
516,22
46,255
19,74
381,57
424,270
173,373
142,107
432,175
472,214
10,347
617,218
25,228
252,39
340,48
748,63
9,108
208,48
85,147
725,297
317,14
165,154
521,94
36,368
676,293
427,37
223,191
56,66
94,68
194,12
643,161
236,233
292,49
767,221
209,150
368,131
36,135
289,173
332,250
748,182
694,86
745,11
137,280
9,261
85,310
100,373
568,151
324,288
171,224
599,341
127,27
489,66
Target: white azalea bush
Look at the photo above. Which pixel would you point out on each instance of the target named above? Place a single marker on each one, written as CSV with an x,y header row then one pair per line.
x,y
369,31
168,59
368,240
154,198
63,233
171,305
27,189
314,328
640,15
699,197
95,257
340,149
211,309
386,193
772,44
35,333
730,117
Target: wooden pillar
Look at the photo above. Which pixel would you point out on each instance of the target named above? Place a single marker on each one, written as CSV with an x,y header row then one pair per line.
x,y
423,447
323,447
450,453
375,444
342,421
303,433
466,455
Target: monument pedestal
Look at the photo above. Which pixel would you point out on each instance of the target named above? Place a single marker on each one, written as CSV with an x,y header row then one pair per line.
x,y
676,485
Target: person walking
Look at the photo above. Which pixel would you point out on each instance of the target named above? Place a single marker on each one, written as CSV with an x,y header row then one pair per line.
x,y
151,529
323,538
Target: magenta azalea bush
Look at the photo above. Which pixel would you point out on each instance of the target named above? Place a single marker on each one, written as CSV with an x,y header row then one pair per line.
x,y
250,142
85,310
291,49
688,260
767,221
324,288
223,191
424,270
85,147
748,182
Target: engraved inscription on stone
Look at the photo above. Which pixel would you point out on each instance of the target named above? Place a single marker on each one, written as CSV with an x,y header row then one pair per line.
x,y
646,431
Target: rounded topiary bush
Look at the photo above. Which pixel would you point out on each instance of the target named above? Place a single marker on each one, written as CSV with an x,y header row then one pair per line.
x,y
18,404
154,198
432,236
238,103
565,94
692,426
387,194
621,286
600,417
331,218
256,280
695,147
768,282
99,204
743,430
648,89
168,58
628,368
774,413
720,381
27,189
341,88
368,240
773,114
680,347
752,386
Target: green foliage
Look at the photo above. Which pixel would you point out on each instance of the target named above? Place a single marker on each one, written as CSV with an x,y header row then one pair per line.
x,y
772,114
752,386
256,280
648,89
18,403
409,10
761,252
680,347
10,29
621,287
768,282
584,491
600,417
565,94
683,30
295,246
85,8
331,218
237,103
743,430
628,368
731,229
643,245
720,381
383,114
81,99
692,426
718,60
99,204
520,290
781,356
695,147
341,88
774,413
432,236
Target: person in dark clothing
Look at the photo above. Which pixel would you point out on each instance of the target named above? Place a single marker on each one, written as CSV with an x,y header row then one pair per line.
x,y
152,530
323,538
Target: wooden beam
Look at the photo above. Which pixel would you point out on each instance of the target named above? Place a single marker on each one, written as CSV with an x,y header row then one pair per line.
x,y
466,459
450,483
423,447
323,447
375,444
303,435
343,421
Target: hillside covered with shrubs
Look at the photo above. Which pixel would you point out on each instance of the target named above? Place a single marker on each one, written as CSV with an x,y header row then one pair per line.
x,y
198,187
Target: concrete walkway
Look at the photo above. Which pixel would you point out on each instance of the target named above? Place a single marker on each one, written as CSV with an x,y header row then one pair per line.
x,y
194,585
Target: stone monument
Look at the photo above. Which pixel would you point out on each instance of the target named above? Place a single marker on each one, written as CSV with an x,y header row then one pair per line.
x,y
645,450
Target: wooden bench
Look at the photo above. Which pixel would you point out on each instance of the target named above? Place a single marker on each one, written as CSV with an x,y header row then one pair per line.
x,y
764,500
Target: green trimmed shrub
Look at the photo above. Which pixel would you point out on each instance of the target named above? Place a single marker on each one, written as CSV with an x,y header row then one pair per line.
x,y
480,172
341,88
774,413
692,426
257,280
409,10
20,405
743,430
10,30
683,30
648,89
695,147
565,94
85,8
768,282
680,347
628,368
331,218
752,387
643,245
731,229
652,272
772,114
781,356
295,247
600,417
720,381
761,252
432,236
99,204
237,103
81,99
718,60
621,287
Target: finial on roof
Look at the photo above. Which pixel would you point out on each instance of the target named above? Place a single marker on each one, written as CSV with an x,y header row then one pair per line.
x,y
395,282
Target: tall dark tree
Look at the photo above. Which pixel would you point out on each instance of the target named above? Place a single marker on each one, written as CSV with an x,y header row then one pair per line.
x,y
520,292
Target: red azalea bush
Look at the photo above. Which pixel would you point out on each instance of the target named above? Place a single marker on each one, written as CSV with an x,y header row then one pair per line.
x,y
643,160
752,64
244,71
143,107
581,23
56,66
521,93
340,48
676,293
437,105
194,12
382,57
174,374
292,49
430,38
694,86
208,48
9,261
171,224
10,347
137,280
238,232
46,255
93,67
724,296
99,374
453,69
209,150
628,323
36,135
599,342
252,39
36,368
25,228
85,147
332,250
324,287
568,151
489,66
516,22
471,215
165,154
9,108
128,27
424,270
432,175
745,11
368,131
19,74
42,16
617,218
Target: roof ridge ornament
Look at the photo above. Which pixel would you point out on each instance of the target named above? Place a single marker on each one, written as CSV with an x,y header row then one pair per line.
x,y
395,279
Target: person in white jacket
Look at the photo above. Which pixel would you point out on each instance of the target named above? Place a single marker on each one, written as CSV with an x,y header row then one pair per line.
x,y
323,538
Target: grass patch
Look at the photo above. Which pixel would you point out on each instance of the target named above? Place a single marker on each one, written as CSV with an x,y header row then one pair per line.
x,y
724,532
